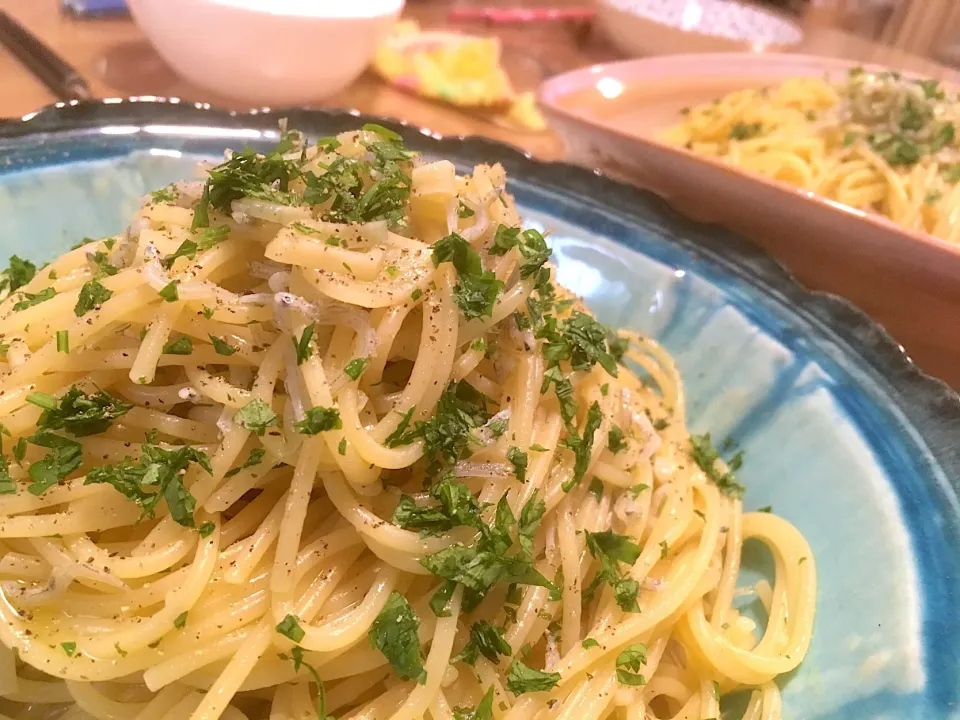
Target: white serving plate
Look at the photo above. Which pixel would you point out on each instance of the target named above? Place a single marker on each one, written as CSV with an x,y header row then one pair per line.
x,y
609,116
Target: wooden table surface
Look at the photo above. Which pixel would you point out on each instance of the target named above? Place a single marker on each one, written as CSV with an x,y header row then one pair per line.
x,y
117,61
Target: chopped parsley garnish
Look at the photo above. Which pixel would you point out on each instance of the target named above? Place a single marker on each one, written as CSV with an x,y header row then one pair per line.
x,y
319,419
518,459
221,346
92,295
169,291
31,299
483,710
63,341
530,516
522,679
580,339
187,249
951,173
342,446
706,456
589,643
254,458
745,131
611,549
20,450
485,639
8,485
65,456
447,435
18,274
464,210
457,506
476,290
629,662
596,489
180,621
70,648
302,346
78,413
157,475
290,627
582,446
256,416
168,194
481,566
354,369
394,633
206,529
247,174
616,440
342,190
181,346
103,267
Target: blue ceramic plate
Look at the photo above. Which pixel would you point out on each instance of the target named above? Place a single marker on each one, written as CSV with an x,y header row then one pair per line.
x,y
843,436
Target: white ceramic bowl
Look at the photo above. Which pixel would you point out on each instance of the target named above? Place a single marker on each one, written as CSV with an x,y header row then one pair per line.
x,y
267,52
667,27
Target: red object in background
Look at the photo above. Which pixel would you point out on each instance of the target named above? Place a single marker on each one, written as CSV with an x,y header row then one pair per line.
x,y
519,15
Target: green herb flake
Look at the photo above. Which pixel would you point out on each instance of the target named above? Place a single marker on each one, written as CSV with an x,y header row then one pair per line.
x,y
31,299
518,459
486,639
221,346
156,476
169,291
483,710
19,273
394,633
616,440
582,446
302,346
629,662
256,416
79,413
206,529
70,648
290,628
319,419
181,346
180,621
589,643
706,457
63,341
355,368
522,679
92,295
342,446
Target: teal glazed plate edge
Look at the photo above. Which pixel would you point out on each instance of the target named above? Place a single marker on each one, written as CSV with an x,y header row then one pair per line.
x,y
843,434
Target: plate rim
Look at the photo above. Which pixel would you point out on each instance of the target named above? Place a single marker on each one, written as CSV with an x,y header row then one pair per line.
x,y
928,404
551,89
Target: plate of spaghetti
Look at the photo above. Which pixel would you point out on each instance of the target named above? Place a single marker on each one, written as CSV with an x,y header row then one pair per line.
x,y
845,173
324,417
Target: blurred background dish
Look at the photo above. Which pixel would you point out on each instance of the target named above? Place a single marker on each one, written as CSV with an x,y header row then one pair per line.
x,y
267,52
610,116
664,27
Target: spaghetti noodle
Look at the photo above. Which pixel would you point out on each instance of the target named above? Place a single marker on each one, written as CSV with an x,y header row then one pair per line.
x,y
319,436
877,142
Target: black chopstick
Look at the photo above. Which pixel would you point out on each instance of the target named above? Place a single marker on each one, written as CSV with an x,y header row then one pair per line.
x,y
48,67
